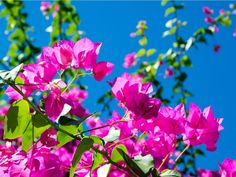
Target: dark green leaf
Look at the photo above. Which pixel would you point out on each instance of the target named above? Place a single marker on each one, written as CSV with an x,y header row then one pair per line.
x,y
85,145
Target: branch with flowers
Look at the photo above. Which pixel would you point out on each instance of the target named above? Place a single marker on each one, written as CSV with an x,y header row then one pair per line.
x,y
48,131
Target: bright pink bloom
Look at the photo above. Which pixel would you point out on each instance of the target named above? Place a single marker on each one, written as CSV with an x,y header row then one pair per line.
x,y
86,53
169,72
216,48
202,127
135,97
54,104
207,10
45,6
74,97
207,173
64,53
40,74
102,69
129,60
209,20
171,121
228,168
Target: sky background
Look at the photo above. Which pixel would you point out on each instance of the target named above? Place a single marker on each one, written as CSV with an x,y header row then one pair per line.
x,y
211,79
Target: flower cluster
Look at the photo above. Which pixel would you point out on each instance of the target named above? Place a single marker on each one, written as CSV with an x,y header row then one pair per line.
x,y
147,130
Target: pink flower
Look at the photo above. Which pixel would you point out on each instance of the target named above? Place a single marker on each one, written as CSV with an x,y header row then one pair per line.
x,y
45,6
40,74
135,97
209,20
171,121
169,72
202,127
207,10
129,60
207,173
86,53
64,53
216,48
102,69
228,168
54,104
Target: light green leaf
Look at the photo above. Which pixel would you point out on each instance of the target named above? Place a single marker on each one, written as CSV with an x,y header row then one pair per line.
x,y
141,53
144,162
164,2
113,135
115,155
64,138
170,32
169,11
97,161
17,119
170,173
143,41
151,52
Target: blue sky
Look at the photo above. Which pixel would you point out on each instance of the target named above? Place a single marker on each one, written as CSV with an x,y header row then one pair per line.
x,y
212,78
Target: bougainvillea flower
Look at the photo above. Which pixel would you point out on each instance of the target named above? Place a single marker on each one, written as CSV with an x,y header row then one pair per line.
x,y
207,10
129,60
40,74
216,48
102,69
45,6
49,138
54,104
207,173
135,97
64,53
169,72
202,127
209,20
228,168
86,53
171,121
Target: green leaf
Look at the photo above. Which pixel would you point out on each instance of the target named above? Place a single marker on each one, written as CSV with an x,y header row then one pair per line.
x,y
115,155
97,160
72,28
112,135
151,52
225,21
10,75
17,119
97,140
64,138
37,124
85,145
170,32
185,61
170,173
131,163
141,53
143,41
145,163
169,11
164,2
